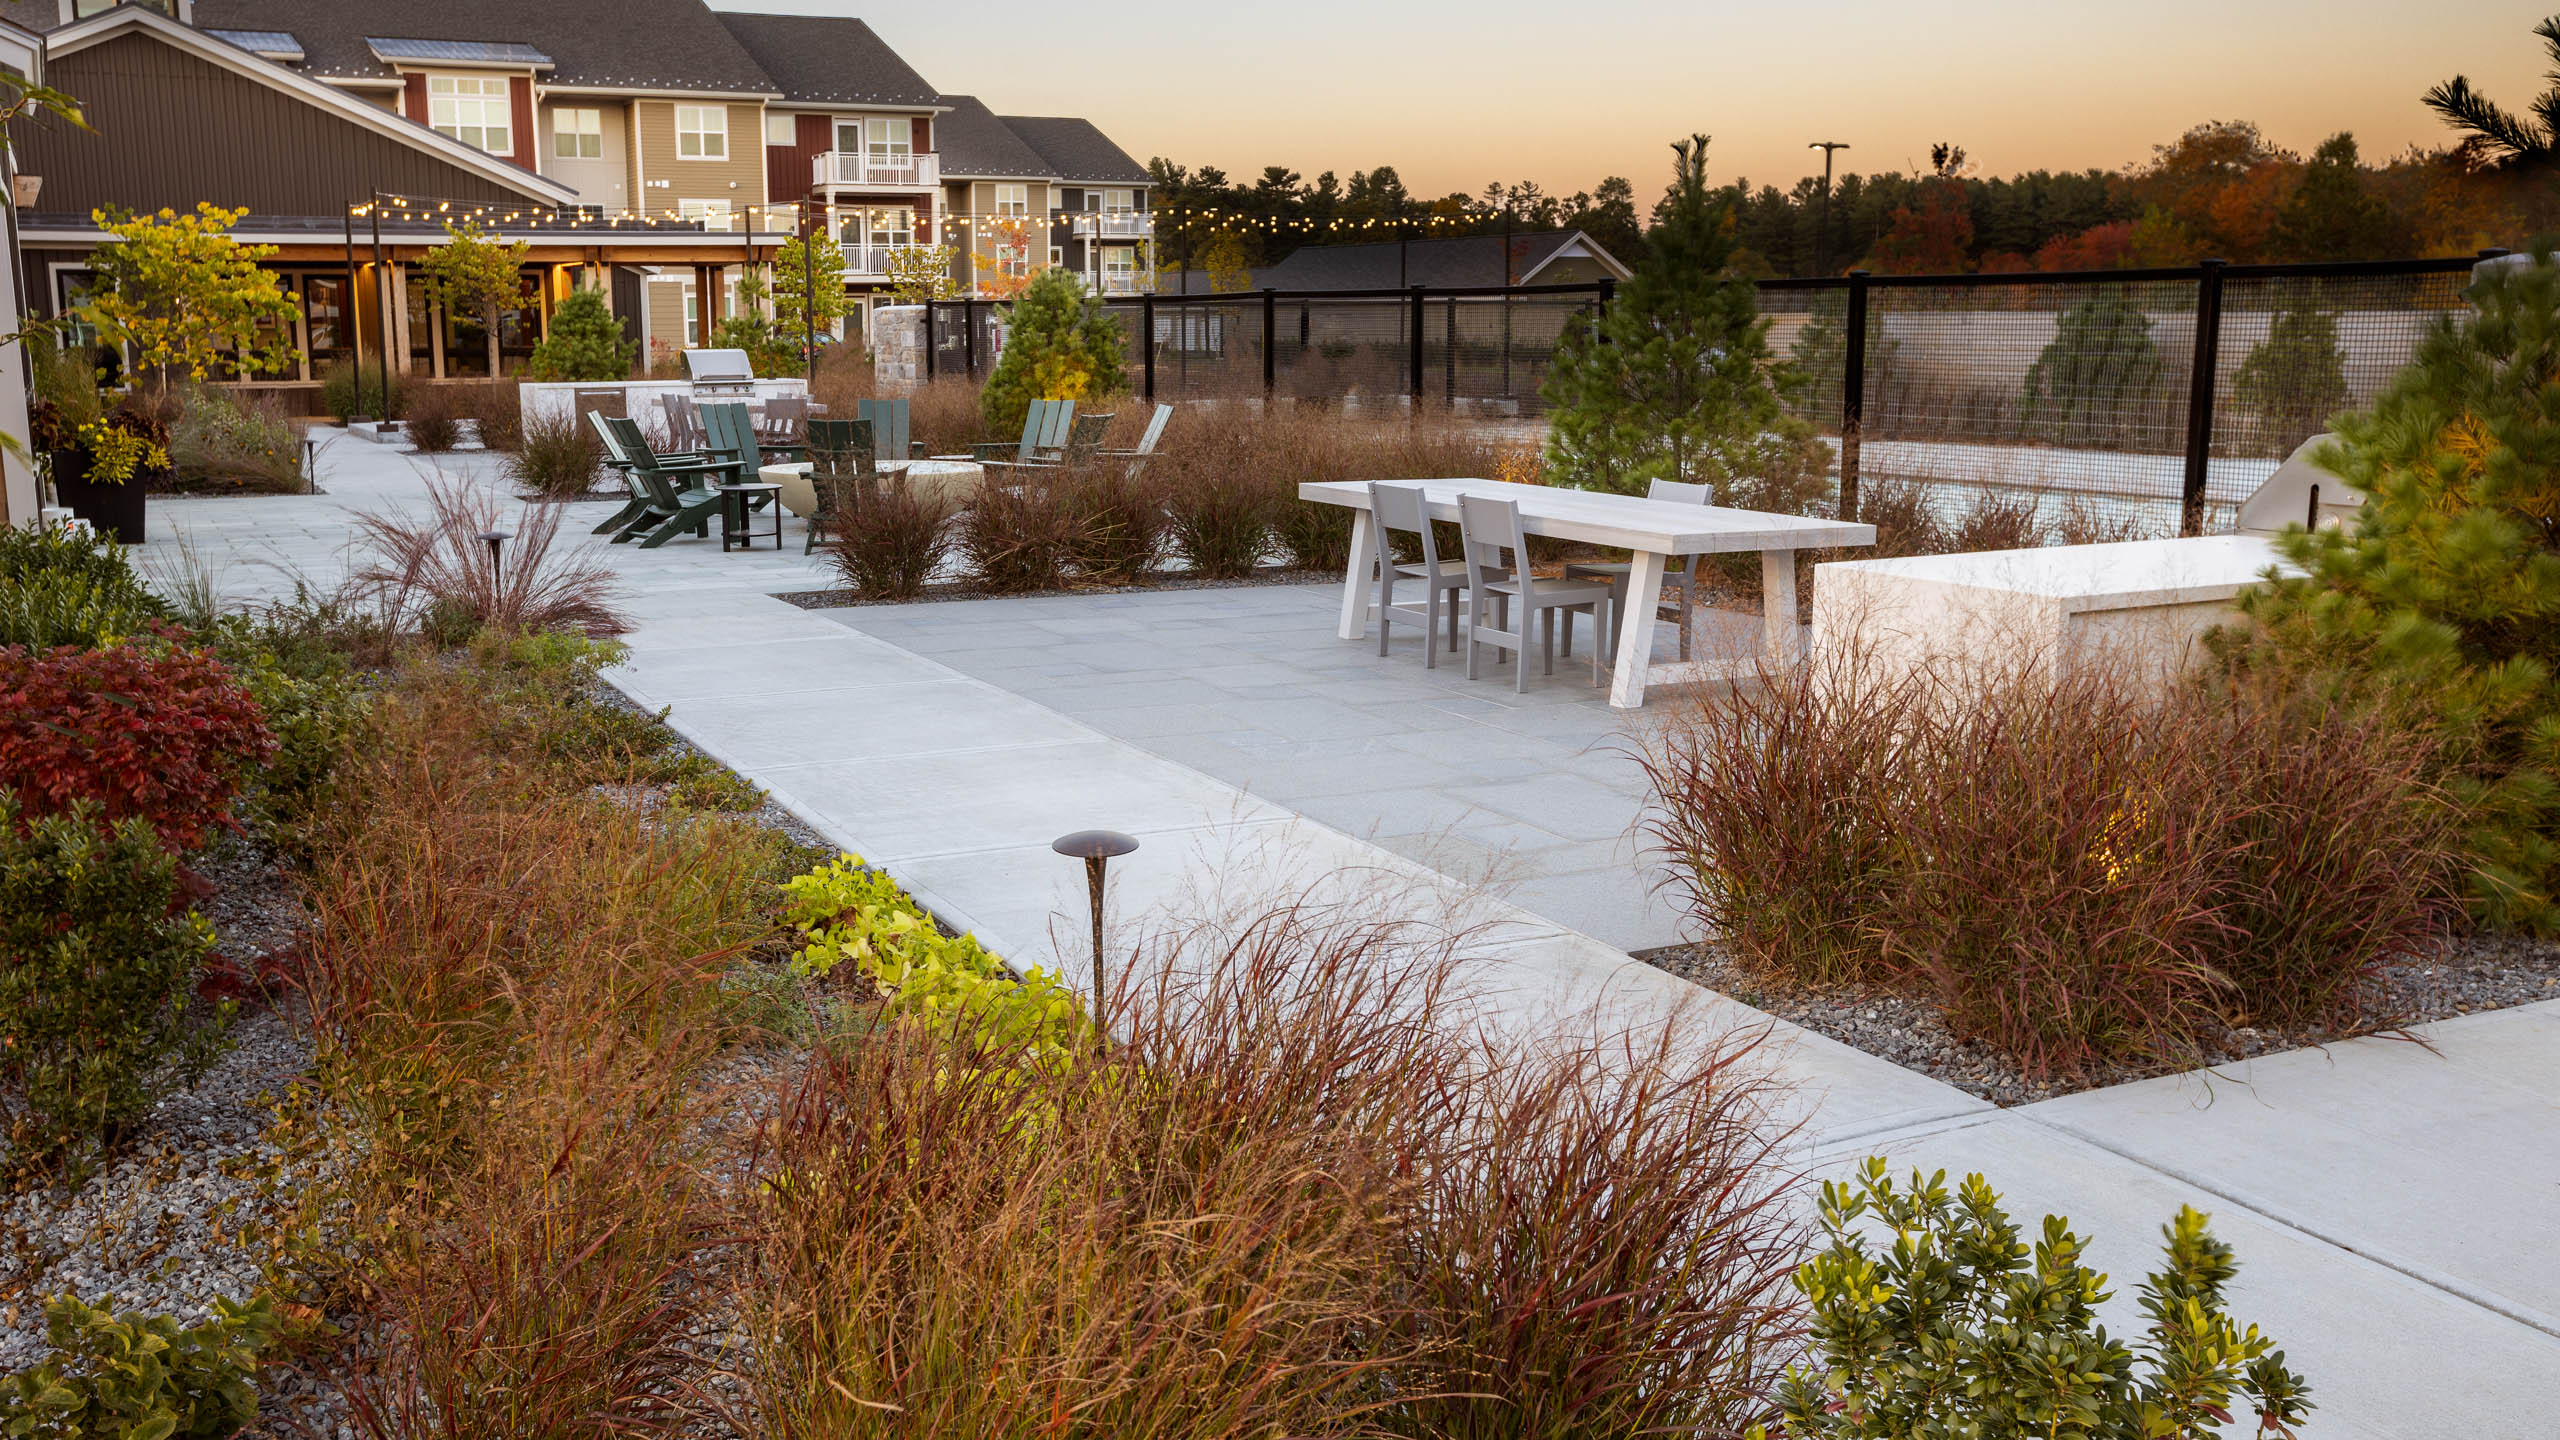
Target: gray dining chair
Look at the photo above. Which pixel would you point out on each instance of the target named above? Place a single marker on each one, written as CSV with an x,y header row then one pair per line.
x,y
1487,529
1399,507
1684,579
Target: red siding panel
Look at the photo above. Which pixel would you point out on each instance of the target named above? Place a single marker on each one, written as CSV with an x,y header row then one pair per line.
x,y
417,96
520,102
786,167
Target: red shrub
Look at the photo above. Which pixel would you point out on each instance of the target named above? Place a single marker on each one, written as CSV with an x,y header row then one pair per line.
x,y
163,734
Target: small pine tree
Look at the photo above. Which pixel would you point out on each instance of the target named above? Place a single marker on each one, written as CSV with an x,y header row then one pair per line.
x,y
2294,380
1059,344
2102,378
1673,382
2444,602
585,342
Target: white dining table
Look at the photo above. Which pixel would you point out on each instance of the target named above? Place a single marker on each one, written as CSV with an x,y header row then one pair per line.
x,y
1655,531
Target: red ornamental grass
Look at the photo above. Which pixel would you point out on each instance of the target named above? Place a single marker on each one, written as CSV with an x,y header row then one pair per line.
x,y
164,734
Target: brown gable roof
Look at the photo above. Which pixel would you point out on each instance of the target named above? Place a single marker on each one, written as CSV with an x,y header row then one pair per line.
x,y
1077,149
635,44
828,60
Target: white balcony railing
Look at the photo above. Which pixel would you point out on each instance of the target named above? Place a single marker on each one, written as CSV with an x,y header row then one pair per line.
x,y
896,172
871,261
1110,225
1127,284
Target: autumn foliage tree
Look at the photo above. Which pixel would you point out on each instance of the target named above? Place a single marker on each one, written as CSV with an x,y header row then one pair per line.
x,y
477,274
185,297
1059,344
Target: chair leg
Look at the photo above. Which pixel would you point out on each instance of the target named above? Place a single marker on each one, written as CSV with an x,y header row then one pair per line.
x,y
1568,633
1475,630
1549,637
1453,622
1387,597
1688,608
1433,597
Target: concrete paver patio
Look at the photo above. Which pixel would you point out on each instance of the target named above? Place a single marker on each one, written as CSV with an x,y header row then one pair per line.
x,y
2393,1203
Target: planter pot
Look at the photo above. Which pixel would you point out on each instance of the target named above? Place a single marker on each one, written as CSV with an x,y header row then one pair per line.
x,y
110,509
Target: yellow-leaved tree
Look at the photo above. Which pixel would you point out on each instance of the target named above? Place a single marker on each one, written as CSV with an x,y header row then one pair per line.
x,y
186,297
474,273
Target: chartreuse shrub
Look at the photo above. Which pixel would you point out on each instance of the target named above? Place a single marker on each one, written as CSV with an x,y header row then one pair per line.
x,y
849,914
2443,603
1060,344
95,976
132,1377
1959,1327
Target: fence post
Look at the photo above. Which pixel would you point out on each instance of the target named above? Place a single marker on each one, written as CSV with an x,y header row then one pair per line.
x,y
1449,358
1270,341
1853,393
969,336
928,339
1147,342
2200,396
1413,385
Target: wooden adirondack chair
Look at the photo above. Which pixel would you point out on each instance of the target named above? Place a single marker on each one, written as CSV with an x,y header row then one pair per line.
x,y
889,428
1084,442
729,431
1137,458
844,466
620,464
1045,428
678,497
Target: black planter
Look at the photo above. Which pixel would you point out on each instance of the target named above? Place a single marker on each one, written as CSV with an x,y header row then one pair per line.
x,y
114,510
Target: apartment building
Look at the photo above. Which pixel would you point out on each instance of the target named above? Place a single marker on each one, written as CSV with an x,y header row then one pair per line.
x,y
1030,191
656,149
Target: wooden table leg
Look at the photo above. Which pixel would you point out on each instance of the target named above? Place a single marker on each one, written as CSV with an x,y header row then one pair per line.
x,y
1635,631
1778,605
1357,579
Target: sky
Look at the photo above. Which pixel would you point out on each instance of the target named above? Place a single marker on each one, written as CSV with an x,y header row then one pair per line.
x,y
1454,95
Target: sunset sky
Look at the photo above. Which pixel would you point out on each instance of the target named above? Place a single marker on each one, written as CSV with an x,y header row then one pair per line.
x,y
1455,95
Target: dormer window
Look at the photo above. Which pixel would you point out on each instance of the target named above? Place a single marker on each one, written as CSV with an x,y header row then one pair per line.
x,y
473,109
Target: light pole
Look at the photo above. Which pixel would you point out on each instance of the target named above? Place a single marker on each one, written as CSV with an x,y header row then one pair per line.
x,y
1096,849
1822,221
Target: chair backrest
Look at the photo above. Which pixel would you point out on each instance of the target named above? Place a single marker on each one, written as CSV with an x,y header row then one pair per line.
x,y
728,430
1155,429
1086,437
624,435
684,423
614,453
1681,490
1486,528
784,415
612,401
1399,508
842,447
888,426
1045,428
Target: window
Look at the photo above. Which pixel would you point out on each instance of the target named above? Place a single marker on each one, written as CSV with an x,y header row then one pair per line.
x,y
1013,199
1119,202
692,317
714,214
884,140
1120,268
781,129
702,132
472,109
1057,255
577,134
877,227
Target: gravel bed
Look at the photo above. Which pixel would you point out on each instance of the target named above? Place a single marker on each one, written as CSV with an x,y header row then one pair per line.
x,y
2475,973
964,590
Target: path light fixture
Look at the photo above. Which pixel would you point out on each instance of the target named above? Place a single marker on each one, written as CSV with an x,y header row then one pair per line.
x,y
496,540
1095,848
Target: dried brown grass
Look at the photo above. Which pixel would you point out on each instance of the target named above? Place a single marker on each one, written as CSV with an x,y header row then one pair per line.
x,y
419,566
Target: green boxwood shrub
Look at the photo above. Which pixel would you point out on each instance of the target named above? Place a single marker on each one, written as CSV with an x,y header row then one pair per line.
x,y
96,972
64,587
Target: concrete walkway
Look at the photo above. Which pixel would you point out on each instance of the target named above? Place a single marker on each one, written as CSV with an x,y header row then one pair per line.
x,y
2393,1204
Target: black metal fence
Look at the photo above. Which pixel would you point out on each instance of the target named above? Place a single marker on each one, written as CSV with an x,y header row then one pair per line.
x,y
2158,399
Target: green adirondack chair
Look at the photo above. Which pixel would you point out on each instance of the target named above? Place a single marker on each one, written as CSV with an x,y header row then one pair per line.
x,y
620,464
1146,447
889,428
844,465
1084,442
1046,427
729,432
677,490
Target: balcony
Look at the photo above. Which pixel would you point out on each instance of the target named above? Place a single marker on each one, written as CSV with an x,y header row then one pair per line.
x,y
1110,225
854,169
1127,283
870,262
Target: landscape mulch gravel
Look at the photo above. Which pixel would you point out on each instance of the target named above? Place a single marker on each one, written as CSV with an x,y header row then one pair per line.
x,y
2474,973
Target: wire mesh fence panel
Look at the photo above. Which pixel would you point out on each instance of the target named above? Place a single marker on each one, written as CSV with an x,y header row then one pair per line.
x,y
1490,355
1209,349
1808,335
2295,351
1356,351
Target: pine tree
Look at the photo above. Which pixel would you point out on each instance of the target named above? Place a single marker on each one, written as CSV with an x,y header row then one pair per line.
x,y
2294,380
1673,381
2332,216
1059,344
2444,601
2100,380
585,342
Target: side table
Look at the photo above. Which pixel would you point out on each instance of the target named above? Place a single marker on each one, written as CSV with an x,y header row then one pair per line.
x,y
736,519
